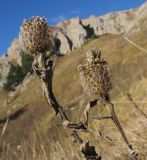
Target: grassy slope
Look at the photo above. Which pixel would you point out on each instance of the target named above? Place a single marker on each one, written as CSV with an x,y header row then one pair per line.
x,y
127,76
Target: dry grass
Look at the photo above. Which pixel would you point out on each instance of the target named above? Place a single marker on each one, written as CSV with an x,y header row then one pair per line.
x,y
23,140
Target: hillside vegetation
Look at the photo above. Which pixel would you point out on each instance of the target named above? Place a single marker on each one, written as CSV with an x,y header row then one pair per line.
x,y
30,130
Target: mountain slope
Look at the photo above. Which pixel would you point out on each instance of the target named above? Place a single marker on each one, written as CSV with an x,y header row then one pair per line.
x,y
79,30
129,73
29,128
73,33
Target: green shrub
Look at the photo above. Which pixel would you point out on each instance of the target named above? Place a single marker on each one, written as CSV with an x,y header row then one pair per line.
x,y
14,77
91,38
18,73
26,61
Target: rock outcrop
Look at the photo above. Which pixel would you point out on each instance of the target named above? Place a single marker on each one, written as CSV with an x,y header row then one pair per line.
x,y
14,52
4,70
73,33
62,42
127,22
116,23
13,55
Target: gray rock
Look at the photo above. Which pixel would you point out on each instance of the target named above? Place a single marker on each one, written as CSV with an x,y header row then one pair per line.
x,y
75,31
14,52
4,70
127,22
63,43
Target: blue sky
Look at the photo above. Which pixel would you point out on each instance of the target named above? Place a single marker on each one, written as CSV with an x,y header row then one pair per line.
x,y
12,13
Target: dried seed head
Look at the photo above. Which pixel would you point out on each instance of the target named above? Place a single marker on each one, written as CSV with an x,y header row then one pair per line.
x,y
95,75
93,54
35,35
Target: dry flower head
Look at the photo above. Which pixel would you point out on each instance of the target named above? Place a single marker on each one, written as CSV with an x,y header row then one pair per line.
x,y
35,35
95,75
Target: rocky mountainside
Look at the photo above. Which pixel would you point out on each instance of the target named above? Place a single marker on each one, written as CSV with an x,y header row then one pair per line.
x,y
74,32
31,130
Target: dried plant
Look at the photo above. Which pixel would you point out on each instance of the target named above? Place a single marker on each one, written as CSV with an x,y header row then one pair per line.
x,y
96,81
35,38
35,35
95,76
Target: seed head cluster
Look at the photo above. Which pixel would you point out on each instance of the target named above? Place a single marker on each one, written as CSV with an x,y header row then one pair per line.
x,y
95,75
35,35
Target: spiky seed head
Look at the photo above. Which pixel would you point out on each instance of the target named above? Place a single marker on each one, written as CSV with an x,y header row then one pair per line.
x,y
95,75
35,35
93,54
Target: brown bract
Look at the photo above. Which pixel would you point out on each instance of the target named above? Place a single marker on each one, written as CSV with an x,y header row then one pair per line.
x,y
35,35
95,76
